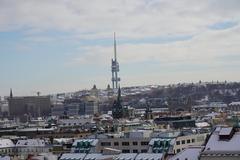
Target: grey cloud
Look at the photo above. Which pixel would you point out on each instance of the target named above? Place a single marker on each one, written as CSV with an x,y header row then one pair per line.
x,y
135,18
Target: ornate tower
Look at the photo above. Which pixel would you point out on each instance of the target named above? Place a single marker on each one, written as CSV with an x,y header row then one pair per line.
x,y
117,109
148,112
11,94
115,67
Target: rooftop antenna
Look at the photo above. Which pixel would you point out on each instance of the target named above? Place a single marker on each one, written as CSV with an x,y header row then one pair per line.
x,y
115,66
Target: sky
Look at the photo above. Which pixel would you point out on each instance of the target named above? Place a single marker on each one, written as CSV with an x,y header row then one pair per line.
x,y
56,46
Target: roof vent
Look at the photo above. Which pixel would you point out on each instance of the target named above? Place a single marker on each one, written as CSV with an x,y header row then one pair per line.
x,y
226,133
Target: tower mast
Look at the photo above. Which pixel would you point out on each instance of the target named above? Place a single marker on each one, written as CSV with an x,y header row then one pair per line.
x,y
115,66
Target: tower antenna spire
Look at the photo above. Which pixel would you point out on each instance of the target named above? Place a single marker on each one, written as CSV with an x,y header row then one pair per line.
x,y
115,65
115,47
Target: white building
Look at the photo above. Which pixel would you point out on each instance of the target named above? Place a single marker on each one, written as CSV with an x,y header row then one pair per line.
x,y
6,147
31,147
130,142
183,142
234,106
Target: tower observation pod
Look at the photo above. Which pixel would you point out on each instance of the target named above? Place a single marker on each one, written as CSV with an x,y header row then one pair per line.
x,y
115,67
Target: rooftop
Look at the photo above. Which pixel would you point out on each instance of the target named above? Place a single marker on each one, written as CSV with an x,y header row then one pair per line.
x,y
6,143
73,156
126,156
191,153
214,143
30,143
147,156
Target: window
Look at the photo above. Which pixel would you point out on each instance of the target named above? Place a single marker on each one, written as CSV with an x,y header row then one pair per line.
x,y
135,151
178,142
125,143
178,150
125,151
106,144
188,141
183,141
135,143
116,144
144,143
193,140
143,151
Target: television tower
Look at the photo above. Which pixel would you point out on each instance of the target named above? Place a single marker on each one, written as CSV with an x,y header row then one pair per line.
x,y
115,67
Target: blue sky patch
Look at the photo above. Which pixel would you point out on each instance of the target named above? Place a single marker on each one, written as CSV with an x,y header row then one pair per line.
x,y
223,25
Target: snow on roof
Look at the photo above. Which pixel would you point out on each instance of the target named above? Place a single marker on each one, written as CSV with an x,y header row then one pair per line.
x,y
30,143
126,156
190,153
234,103
63,140
213,114
149,156
97,156
73,156
106,116
225,131
202,124
211,105
6,143
36,129
214,144
5,158
76,120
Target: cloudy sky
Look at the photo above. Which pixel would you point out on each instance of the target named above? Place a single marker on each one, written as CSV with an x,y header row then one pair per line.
x,y
66,45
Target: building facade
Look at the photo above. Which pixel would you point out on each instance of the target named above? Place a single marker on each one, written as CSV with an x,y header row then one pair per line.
x,y
34,106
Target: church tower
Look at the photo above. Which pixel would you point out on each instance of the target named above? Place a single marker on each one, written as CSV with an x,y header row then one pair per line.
x,y
117,109
11,94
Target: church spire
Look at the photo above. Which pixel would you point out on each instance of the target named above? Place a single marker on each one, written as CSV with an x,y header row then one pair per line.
x,y
119,94
11,94
117,109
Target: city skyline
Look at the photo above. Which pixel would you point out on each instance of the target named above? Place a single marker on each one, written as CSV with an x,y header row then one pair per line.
x,y
58,46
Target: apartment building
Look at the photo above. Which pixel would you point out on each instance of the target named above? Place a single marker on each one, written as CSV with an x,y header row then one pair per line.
x,y
183,142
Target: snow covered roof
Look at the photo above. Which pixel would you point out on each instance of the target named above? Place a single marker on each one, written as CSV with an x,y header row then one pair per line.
x,y
214,144
234,103
97,156
225,131
126,156
76,121
6,143
73,156
213,114
63,140
5,158
211,105
202,124
30,143
191,153
36,129
149,156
